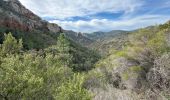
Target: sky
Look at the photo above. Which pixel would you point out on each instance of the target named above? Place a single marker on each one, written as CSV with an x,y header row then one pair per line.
x,y
101,15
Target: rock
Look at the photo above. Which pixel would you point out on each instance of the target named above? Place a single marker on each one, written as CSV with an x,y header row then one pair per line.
x,y
54,28
15,16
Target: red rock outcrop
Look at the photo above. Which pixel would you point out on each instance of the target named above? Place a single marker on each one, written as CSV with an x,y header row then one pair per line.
x,y
15,16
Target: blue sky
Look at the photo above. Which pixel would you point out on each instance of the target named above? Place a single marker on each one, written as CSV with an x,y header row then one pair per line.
x,y
101,15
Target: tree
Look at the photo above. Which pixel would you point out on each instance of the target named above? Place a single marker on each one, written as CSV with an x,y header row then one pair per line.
x,y
63,47
35,75
18,79
11,45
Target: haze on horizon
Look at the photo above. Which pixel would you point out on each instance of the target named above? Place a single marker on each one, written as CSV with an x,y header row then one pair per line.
x,y
101,15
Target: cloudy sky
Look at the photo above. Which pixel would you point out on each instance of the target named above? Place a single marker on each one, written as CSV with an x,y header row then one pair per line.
x,y
101,15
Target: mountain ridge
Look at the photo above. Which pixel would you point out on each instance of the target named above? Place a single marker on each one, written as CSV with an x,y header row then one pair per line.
x,y
16,16
23,23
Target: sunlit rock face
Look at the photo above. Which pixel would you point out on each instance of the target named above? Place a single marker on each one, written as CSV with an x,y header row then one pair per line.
x,y
14,15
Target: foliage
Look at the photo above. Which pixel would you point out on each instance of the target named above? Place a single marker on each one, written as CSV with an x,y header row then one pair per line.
x,y
11,45
18,80
63,48
68,71
72,90
31,40
37,74
73,55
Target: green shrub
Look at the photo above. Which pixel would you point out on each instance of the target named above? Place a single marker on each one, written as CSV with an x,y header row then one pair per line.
x,y
11,45
73,89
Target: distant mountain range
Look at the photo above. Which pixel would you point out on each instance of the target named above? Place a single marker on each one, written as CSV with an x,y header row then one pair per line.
x,y
105,35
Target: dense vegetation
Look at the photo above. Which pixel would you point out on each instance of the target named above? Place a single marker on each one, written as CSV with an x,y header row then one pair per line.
x,y
44,74
41,61
139,68
32,40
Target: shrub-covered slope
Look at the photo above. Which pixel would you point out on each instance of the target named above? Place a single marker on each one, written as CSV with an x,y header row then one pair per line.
x,y
138,71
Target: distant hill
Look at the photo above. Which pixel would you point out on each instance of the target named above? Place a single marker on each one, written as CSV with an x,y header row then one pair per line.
x,y
105,35
104,41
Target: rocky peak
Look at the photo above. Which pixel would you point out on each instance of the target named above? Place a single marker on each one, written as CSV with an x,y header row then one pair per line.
x,y
20,9
16,16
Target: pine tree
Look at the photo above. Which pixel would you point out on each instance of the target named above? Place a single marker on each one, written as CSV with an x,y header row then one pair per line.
x,y
63,47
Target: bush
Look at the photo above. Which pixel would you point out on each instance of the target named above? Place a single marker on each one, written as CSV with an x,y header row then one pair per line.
x,y
73,90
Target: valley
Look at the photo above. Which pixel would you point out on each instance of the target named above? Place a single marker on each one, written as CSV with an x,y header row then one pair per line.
x,y
42,61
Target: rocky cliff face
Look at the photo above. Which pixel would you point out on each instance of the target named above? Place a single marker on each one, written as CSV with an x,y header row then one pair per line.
x,y
15,16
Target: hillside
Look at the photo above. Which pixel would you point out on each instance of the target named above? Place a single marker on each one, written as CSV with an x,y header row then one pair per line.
x,y
103,42
137,71
42,61
105,35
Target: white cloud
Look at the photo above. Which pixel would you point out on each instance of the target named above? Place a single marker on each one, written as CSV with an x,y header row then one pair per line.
x,y
62,9
69,8
108,25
